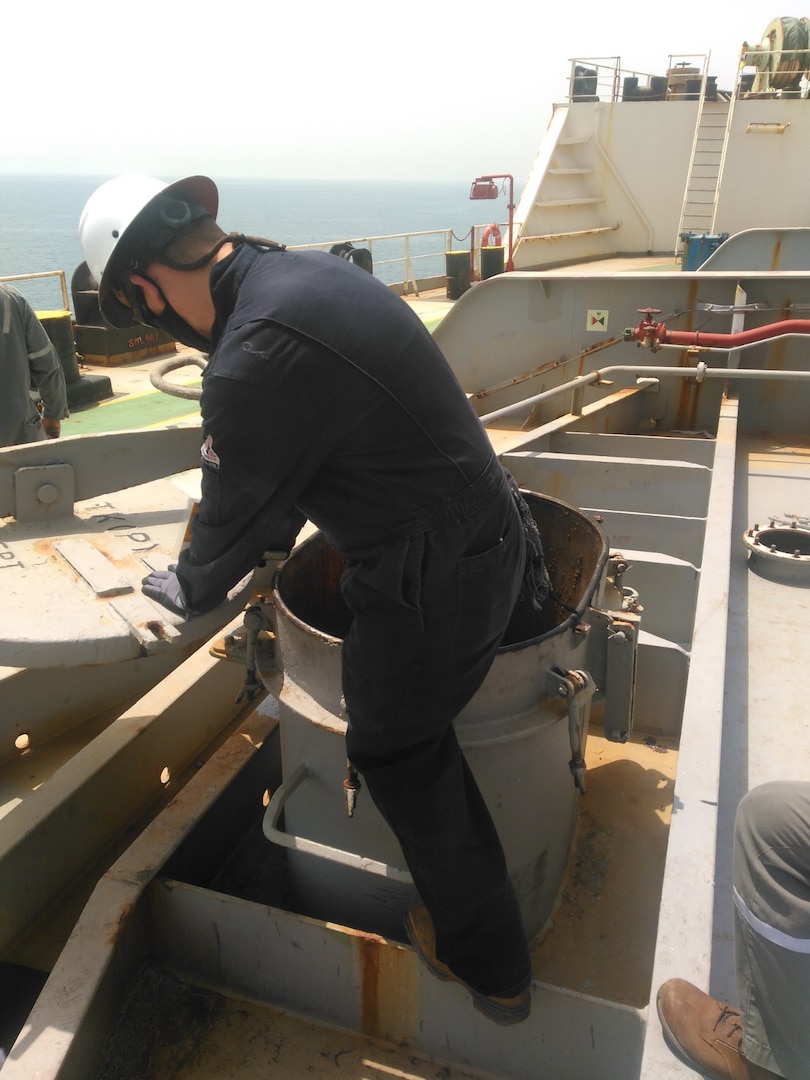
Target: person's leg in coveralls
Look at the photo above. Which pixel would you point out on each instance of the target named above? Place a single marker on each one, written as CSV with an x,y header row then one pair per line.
x,y
429,614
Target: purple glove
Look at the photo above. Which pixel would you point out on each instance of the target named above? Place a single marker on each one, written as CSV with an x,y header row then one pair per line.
x,y
163,587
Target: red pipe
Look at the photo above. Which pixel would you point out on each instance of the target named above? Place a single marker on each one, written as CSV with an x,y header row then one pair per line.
x,y
655,334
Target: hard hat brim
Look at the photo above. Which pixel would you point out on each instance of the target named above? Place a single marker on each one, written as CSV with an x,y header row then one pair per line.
x,y
200,188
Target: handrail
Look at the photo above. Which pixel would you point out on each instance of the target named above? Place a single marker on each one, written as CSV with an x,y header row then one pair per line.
x,y
405,250
603,77
44,274
642,372
724,151
419,255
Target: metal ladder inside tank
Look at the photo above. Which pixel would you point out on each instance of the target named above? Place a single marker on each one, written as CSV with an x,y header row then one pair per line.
x,y
706,163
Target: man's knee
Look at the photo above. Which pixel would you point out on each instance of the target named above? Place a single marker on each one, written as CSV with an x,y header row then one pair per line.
x,y
770,814
760,812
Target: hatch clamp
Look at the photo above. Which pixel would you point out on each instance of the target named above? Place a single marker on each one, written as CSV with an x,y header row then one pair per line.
x,y
577,687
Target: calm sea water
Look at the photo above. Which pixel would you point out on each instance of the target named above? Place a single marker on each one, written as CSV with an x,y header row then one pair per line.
x,y
39,217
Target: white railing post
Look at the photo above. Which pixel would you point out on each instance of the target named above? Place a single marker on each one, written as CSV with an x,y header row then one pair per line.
x,y
406,257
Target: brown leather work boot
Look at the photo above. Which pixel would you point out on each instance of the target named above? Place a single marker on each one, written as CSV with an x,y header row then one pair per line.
x,y
503,1010
705,1034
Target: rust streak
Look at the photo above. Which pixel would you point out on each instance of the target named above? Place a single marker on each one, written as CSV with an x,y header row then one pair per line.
x,y
369,959
124,916
688,401
690,304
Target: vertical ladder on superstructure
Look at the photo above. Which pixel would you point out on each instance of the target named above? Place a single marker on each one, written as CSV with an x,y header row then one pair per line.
x,y
702,192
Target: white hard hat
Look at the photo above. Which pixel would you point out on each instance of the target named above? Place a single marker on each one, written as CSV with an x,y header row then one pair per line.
x,y
112,208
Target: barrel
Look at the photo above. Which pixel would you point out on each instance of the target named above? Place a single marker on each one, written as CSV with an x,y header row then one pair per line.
x,y
58,326
514,733
457,270
492,261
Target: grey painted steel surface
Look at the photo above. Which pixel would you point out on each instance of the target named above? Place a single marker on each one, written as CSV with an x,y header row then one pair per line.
x,y
762,249
103,463
732,688
86,517
522,333
66,825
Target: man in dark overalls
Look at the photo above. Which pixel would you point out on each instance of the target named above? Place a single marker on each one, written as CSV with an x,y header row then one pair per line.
x,y
326,399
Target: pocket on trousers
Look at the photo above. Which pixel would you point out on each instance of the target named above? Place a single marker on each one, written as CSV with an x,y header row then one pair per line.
x,y
413,569
388,582
487,584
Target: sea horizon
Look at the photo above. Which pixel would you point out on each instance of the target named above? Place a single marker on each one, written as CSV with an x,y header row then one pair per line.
x,y
226,176
39,232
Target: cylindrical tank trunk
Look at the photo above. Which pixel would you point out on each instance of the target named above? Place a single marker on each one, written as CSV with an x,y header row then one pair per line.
x,y
516,734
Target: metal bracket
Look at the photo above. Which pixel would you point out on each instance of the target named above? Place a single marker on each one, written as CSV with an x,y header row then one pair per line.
x,y
276,835
612,657
44,492
617,595
255,621
577,687
620,692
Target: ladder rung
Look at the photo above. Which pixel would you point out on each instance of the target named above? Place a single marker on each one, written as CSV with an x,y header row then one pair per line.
x,y
711,130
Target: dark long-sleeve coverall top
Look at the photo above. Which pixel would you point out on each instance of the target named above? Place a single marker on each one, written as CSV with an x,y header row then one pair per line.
x,y
326,398
26,353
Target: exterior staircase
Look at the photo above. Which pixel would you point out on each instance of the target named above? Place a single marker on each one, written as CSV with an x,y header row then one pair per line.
x,y
569,205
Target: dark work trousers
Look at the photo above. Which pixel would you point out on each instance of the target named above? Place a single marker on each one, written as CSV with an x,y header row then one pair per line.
x,y
430,610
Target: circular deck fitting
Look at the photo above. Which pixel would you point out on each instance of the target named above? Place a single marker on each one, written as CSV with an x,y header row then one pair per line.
x,y
781,550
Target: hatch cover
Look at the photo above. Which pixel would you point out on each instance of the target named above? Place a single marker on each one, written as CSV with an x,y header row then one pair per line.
x,y
781,548
72,590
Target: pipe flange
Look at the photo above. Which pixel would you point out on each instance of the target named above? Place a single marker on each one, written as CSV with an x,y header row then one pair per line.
x,y
781,549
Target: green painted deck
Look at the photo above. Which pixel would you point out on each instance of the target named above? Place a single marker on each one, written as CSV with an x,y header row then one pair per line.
x,y
137,404
125,411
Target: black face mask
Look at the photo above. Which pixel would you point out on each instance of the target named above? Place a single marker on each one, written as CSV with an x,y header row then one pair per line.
x,y
169,320
177,327
126,305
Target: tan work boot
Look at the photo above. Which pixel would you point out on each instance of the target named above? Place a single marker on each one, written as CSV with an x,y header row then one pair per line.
x,y
704,1033
503,1010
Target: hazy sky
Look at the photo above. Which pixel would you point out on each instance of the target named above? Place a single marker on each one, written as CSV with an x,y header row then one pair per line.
x,y
429,89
